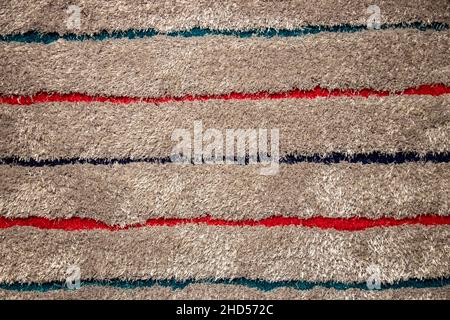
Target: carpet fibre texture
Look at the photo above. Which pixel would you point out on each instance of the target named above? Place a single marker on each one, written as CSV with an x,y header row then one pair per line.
x,y
94,95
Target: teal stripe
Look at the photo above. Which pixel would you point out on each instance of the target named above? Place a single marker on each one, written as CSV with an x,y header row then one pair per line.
x,y
38,37
262,285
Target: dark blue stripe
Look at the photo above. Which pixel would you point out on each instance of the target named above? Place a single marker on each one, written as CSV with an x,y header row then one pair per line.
x,y
363,158
38,37
262,285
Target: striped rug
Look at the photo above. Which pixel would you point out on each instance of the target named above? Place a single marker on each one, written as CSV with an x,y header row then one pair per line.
x,y
92,205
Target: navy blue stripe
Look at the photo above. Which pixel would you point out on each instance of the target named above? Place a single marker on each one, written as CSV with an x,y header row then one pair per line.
x,y
38,37
363,158
262,285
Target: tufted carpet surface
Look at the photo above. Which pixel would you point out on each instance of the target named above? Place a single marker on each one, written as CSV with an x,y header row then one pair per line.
x,y
350,101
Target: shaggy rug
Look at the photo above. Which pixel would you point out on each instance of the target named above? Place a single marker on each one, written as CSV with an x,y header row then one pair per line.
x,y
351,100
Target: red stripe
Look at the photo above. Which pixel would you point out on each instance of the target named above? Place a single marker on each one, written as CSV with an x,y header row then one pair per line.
x,y
347,224
433,90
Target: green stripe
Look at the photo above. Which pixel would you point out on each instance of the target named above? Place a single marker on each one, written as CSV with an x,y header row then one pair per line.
x,y
262,285
38,37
